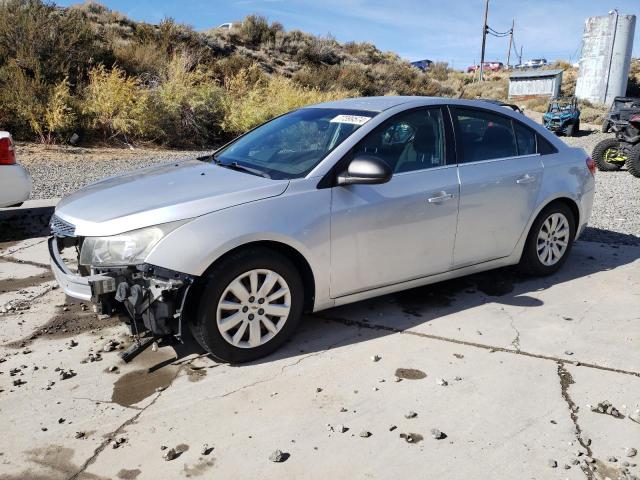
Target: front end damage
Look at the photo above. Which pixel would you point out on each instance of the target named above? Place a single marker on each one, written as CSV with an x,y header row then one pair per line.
x,y
153,297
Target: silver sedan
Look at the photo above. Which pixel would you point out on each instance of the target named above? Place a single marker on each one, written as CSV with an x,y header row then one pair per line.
x,y
323,206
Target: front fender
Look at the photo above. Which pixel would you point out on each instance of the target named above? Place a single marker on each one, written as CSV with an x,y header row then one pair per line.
x,y
300,219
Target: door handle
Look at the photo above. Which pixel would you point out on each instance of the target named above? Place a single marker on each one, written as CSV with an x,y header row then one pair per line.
x,y
441,197
526,179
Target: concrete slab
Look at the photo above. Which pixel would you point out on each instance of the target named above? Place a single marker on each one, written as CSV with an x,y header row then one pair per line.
x,y
514,399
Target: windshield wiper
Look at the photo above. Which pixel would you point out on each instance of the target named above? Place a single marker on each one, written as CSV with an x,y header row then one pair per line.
x,y
242,168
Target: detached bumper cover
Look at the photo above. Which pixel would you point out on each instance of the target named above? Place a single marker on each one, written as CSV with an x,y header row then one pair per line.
x,y
73,285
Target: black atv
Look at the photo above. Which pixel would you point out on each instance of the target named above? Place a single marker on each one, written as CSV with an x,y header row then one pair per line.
x,y
621,109
612,153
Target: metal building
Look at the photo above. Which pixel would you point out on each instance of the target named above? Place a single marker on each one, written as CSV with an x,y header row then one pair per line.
x,y
606,54
535,83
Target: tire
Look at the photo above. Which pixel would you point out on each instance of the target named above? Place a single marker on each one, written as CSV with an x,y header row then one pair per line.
x,y
571,130
532,262
633,161
223,280
599,152
605,126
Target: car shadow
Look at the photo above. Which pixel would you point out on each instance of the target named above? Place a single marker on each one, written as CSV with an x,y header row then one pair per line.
x,y
19,224
394,313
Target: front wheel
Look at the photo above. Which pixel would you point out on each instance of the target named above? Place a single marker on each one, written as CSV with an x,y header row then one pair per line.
x,y
251,304
608,155
550,240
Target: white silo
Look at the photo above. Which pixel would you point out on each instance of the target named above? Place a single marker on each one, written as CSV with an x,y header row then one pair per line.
x,y
606,54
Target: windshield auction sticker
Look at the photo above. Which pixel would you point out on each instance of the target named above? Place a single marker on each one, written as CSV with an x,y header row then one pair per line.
x,y
353,119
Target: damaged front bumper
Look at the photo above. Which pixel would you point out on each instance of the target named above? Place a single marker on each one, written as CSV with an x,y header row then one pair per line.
x,y
153,297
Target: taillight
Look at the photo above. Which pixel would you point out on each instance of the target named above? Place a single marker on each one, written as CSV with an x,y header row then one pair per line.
x,y
7,154
591,165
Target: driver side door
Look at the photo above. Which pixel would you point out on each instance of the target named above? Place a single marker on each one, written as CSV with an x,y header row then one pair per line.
x,y
403,229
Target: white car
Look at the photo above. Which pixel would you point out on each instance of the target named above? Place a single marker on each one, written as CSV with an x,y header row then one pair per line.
x,y
15,181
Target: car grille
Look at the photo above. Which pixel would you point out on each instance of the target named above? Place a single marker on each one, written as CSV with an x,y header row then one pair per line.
x,y
60,228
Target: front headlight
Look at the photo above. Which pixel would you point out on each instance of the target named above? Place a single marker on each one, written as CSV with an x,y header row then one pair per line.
x,y
128,248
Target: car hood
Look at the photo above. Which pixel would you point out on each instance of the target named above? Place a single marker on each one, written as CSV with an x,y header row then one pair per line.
x,y
161,194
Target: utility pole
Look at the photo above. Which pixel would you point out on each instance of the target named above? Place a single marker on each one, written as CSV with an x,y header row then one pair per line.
x,y
484,37
513,24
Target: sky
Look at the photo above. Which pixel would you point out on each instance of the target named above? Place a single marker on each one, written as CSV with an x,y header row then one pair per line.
x,y
440,30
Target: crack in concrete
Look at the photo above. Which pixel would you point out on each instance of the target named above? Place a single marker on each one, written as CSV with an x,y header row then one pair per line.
x,y
566,379
491,348
98,450
516,341
6,255
96,400
282,369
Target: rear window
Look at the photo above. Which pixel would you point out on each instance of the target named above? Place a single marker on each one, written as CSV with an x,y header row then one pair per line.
x,y
544,147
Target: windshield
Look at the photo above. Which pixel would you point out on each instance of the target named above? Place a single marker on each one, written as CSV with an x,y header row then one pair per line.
x,y
290,146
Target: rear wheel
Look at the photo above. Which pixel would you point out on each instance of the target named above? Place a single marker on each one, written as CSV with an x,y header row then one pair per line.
x,y
251,304
633,162
608,155
550,240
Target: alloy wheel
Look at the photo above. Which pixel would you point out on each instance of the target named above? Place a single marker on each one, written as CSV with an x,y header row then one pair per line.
x,y
553,239
253,308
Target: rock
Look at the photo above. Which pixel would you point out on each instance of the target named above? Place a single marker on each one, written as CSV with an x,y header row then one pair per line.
x,y
607,408
552,463
397,379
66,374
457,379
612,459
163,447
568,352
73,343
80,434
410,414
112,369
586,441
341,428
110,346
442,382
437,434
376,358
170,454
278,456
342,410
18,382
631,452
318,390
575,461
392,428
116,443
206,449
566,467
365,434
62,420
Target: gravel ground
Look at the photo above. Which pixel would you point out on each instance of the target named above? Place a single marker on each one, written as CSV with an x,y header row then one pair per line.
x,y
60,170
615,217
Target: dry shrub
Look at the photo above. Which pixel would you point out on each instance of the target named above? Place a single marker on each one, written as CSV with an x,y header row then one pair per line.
x,y
189,104
114,104
248,103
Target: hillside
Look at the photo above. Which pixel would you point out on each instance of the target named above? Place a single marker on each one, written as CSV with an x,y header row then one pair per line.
x,y
95,72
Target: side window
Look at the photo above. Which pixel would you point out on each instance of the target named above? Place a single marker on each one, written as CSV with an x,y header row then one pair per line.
x,y
485,135
544,147
526,139
409,141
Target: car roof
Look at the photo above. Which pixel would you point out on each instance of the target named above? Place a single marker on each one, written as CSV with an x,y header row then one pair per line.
x,y
372,104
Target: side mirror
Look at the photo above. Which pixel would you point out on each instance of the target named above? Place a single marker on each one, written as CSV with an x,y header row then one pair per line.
x,y
366,169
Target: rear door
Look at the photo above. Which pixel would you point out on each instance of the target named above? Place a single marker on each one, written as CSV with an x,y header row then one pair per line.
x,y
500,176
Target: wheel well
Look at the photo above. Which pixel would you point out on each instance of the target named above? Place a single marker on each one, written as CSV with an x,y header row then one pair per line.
x,y
292,254
573,206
